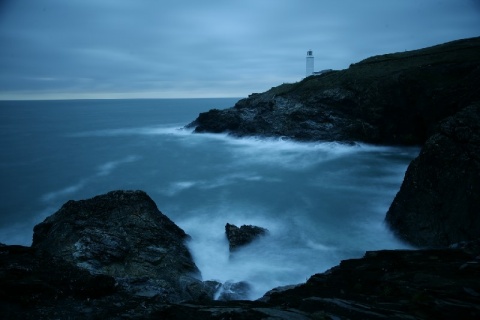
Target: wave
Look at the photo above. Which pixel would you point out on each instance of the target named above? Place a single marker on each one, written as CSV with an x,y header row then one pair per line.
x,y
278,151
179,186
101,171
142,131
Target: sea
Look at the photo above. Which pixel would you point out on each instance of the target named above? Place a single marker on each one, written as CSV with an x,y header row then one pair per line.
x,y
322,202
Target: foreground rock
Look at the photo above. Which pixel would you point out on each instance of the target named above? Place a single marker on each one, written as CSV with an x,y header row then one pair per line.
x,y
239,237
398,284
93,259
424,284
389,99
439,201
122,234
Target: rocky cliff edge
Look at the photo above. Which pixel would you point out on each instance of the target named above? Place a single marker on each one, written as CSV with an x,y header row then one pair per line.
x,y
389,99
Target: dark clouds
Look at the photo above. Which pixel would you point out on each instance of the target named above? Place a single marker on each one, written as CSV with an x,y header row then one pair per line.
x,y
174,48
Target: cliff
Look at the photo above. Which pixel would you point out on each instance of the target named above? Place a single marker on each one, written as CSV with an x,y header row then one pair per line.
x,y
389,99
426,97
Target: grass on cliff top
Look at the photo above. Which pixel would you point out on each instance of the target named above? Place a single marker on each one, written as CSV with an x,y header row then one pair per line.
x,y
377,67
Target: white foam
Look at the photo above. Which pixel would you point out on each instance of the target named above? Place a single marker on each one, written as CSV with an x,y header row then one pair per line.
x,y
107,168
287,153
104,169
222,181
280,258
64,191
177,187
139,131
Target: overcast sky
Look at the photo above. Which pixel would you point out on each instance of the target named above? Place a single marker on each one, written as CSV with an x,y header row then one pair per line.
x,y
209,48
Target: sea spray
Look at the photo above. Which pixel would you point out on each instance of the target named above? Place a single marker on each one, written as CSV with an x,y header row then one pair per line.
x,y
321,202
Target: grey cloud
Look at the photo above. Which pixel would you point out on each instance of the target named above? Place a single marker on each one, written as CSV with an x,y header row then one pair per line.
x,y
184,48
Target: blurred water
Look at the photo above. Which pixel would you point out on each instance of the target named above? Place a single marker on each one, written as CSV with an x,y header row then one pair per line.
x,y
322,202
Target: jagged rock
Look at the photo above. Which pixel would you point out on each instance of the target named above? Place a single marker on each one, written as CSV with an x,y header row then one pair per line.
x,y
389,99
392,284
438,203
122,234
238,237
388,284
33,283
234,291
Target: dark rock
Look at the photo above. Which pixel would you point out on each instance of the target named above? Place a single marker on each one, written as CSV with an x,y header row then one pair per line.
x,y
203,291
122,234
398,284
234,291
32,282
389,99
438,203
238,237
390,284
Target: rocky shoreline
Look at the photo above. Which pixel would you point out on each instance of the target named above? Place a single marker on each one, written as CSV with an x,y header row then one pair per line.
x,y
393,99
116,256
428,97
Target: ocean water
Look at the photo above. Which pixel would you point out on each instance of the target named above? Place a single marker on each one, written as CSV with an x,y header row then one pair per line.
x,y
321,202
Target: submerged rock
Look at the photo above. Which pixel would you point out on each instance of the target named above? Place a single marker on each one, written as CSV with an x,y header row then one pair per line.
x,y
122,234
439,201
238,237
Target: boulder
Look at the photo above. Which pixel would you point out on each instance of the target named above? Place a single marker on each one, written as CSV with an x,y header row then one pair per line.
x,y
238,237
438,203
122,234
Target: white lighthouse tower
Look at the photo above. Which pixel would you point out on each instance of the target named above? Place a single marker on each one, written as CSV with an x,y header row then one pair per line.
x,y
309,69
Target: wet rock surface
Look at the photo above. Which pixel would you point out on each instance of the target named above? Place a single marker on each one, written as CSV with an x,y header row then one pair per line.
x,y
122,234
234,291
49,280
240,236
390,284
438,203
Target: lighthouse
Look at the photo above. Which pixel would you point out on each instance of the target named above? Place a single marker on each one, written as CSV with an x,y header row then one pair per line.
x,y
309,68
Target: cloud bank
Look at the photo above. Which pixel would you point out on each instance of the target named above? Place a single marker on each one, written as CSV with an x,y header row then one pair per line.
x,y
215,48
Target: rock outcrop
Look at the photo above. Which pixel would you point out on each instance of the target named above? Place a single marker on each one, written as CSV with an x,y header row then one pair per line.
x,y
389,99
397,284
122,234
238,237
439,201
56,279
